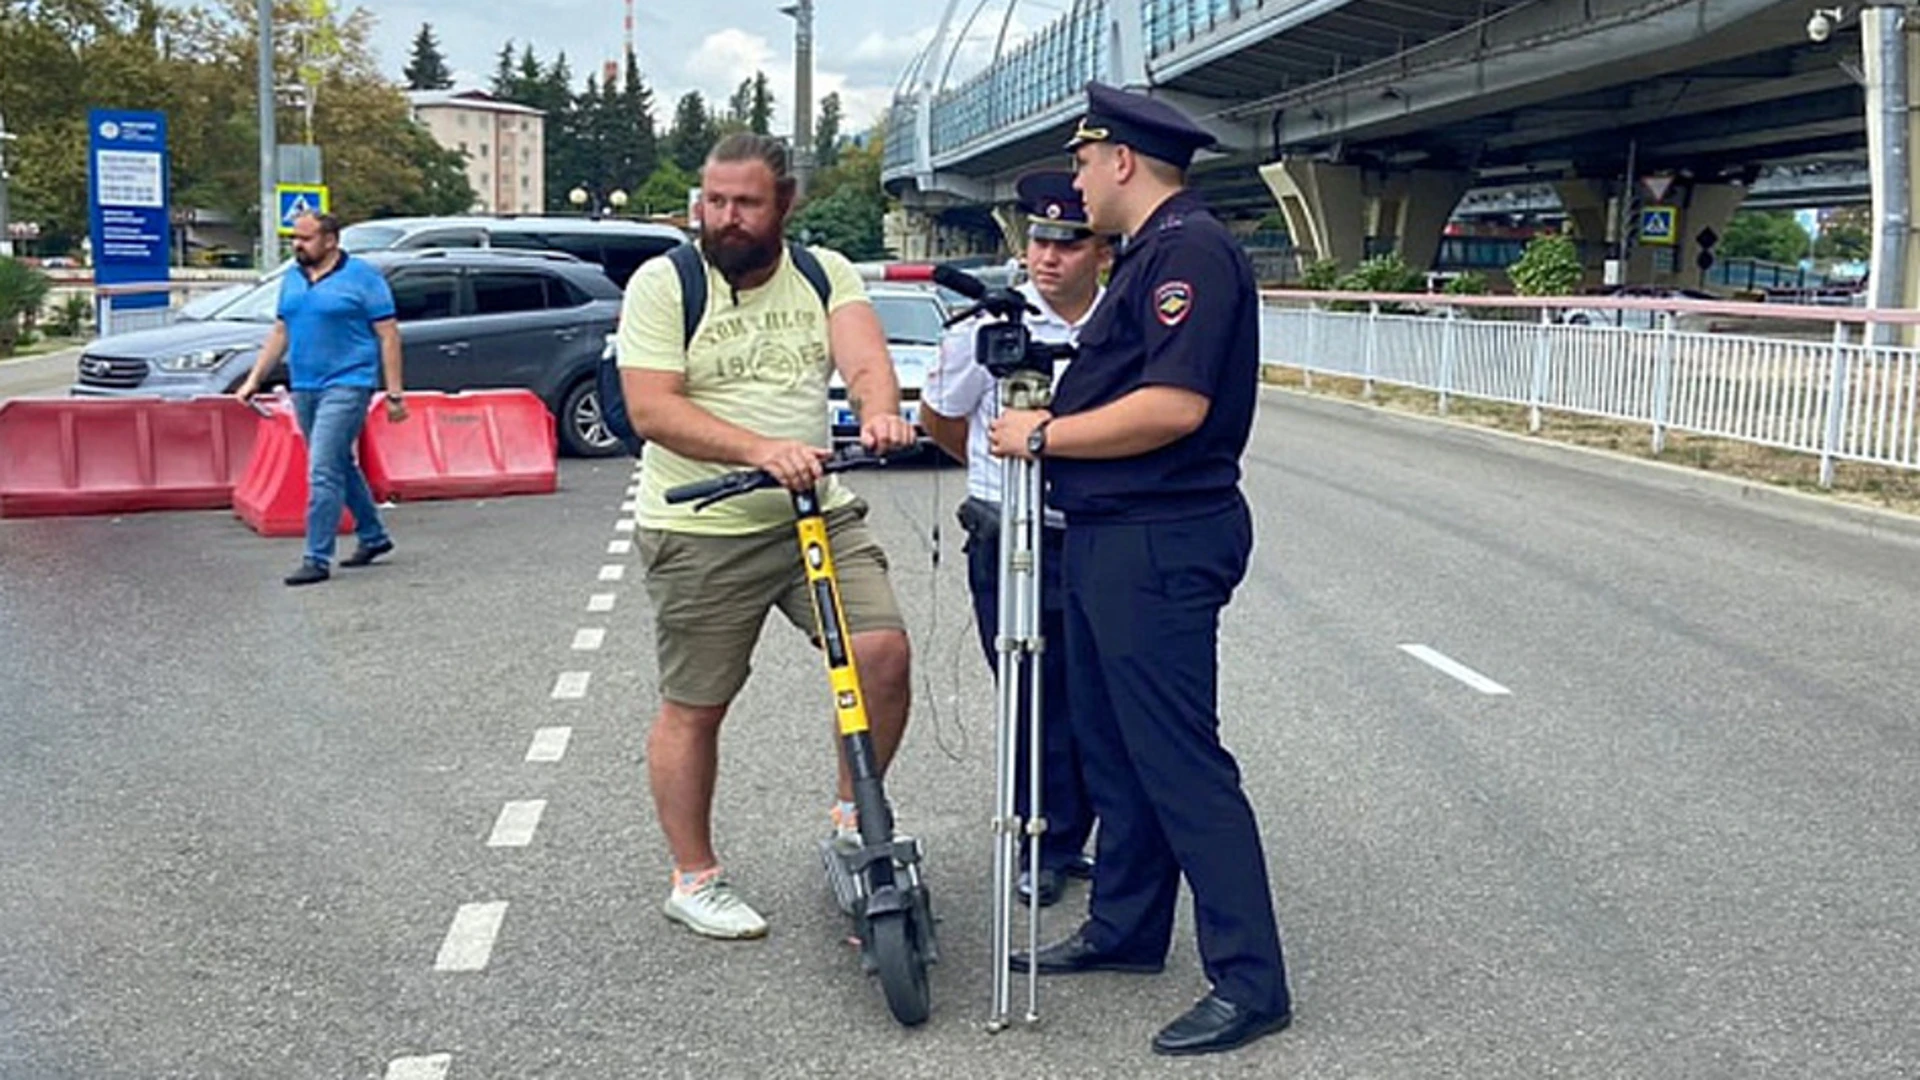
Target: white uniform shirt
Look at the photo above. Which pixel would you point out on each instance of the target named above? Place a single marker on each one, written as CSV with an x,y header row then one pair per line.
x,y
959,386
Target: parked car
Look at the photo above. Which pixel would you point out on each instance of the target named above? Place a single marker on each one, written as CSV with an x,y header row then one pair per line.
x,y
914,319
469,320
1633,320
617,245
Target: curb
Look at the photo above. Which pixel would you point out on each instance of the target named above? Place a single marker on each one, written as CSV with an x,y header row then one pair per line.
x,y
1725,490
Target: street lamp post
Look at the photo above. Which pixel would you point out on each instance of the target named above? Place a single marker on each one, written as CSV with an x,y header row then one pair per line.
x,y
581,198
269,208
801,12
6,221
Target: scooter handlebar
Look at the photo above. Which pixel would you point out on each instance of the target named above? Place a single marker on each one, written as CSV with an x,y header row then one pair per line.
x,y
704,493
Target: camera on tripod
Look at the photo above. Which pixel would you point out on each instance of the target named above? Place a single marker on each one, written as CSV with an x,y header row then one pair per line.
x,y
1004,345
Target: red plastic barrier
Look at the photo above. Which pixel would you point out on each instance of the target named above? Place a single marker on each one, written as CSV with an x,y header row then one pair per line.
x,y
272,496
121,455
462,446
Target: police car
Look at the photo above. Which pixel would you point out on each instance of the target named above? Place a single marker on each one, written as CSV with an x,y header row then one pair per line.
x,y
914,318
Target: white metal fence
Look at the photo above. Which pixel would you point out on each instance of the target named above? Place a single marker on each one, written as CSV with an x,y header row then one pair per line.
x,y
1838,399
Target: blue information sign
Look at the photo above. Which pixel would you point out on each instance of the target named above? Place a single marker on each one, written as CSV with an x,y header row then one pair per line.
x,y
127,168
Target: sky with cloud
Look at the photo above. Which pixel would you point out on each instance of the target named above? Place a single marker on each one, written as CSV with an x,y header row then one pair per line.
x,y
861,47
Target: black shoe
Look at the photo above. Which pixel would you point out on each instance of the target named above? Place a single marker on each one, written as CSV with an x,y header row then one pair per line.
x,y
1081,867
1075,955
1050,888
366,553
310,573
1215,1024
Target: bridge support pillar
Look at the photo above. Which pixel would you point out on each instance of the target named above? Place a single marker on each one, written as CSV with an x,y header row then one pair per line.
x,y
1345,213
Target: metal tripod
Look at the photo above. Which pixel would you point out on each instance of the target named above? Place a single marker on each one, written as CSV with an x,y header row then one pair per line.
x,y
1021,647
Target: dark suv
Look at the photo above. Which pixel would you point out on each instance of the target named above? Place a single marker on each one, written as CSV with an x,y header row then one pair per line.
x,y
469,319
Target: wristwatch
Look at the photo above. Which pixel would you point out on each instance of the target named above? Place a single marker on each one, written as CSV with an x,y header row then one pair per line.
x,y
1037,438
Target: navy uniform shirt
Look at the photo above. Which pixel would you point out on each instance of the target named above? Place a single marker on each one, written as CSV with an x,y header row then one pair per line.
x,y
1181,310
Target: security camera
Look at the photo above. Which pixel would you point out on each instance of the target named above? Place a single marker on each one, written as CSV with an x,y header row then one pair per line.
x,y
1820,26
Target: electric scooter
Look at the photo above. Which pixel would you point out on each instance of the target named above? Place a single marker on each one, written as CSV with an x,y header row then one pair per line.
x,y
878,882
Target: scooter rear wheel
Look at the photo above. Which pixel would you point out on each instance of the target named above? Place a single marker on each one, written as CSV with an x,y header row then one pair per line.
x,y
901,962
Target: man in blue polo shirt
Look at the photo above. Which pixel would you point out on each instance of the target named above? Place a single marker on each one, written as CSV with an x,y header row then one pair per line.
x,y
336,329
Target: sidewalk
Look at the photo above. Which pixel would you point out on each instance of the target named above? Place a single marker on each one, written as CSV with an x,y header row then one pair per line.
x,y
38,376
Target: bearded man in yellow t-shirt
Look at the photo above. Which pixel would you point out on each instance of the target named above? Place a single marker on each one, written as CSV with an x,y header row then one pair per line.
x,y
750,391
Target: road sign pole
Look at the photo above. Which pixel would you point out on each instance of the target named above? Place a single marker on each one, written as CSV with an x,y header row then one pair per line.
x,y
269,210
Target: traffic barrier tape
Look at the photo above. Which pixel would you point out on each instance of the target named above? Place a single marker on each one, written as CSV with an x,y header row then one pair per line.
x,y
61,456
460,446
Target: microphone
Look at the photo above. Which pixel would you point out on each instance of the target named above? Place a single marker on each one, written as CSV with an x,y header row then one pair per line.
x,y
959,281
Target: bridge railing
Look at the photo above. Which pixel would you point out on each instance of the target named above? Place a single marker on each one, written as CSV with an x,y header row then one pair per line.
x,y
1813,384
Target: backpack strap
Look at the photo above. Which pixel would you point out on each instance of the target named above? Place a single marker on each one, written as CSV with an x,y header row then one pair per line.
x,y
692,268
809,266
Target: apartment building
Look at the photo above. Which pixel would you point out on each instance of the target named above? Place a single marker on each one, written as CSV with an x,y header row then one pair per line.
x,y
505,145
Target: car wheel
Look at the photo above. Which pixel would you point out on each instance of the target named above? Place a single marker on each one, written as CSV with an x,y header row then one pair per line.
x,y
583,428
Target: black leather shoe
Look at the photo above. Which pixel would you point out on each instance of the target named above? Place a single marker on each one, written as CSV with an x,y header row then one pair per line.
x,y
310,573
1075,955
366,553
1081,867
1215,1024
1050,888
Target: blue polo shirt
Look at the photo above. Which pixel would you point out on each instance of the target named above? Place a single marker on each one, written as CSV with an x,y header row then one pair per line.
x,y
330,338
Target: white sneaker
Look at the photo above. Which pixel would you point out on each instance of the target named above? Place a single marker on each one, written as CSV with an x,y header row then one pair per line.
x,y
715,910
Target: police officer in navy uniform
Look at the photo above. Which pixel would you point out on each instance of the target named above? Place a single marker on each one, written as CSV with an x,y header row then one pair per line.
x,y
960,401
1143,448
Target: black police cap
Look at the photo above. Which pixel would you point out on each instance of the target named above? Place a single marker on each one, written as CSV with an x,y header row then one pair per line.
x,y
1151,127
1053,208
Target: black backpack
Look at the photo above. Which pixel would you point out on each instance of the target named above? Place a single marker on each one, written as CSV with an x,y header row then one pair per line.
x,y
688,263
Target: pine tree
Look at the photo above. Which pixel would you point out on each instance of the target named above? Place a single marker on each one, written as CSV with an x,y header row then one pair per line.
x,y
760,106
427,70
692,134
740,106
826,143
639,149
503,76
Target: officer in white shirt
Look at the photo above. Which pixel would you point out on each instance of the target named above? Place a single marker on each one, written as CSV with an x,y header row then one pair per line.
x,y
1065,259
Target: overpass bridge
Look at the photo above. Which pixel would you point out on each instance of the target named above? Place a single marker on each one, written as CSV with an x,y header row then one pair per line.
x,y
1366,122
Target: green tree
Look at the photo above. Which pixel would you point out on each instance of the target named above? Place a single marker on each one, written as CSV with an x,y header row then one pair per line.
x,y
427,70
826,138
1549,266
693,133
760,105
665,192
636,145
739,109
22,290
1772,235
505,81
846,208
1845,234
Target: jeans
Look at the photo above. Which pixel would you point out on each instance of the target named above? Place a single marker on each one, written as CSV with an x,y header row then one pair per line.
x,y
331,420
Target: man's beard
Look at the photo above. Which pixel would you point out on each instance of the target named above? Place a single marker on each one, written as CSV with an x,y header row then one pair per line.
x,y
305,258
738,254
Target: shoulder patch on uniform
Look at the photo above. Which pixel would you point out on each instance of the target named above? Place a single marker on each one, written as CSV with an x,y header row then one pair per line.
x,y
1172,301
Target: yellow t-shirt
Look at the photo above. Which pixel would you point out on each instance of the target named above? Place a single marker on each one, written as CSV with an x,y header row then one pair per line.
x,y
759,360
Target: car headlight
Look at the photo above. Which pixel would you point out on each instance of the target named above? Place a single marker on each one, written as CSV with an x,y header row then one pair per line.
x,y
203,360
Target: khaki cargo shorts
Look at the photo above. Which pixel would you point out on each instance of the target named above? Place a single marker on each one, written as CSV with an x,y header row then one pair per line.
x,y
711,595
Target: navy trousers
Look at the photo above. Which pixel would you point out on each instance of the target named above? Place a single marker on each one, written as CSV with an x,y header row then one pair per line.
x,y
1063,787
1143,605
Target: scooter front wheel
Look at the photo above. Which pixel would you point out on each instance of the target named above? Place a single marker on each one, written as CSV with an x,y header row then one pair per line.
x,y
901,962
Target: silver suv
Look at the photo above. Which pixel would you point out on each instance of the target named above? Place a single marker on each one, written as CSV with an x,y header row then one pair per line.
x,y
469,319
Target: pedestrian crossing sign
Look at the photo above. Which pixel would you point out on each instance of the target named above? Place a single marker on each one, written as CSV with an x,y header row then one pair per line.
x,y
298,199
1659,225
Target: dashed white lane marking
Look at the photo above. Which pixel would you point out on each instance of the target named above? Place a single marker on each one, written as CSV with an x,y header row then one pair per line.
x,y
517,822
625,525
589,639
600,602
469,943
619,547
430,1067
613,572
630,506
571,685
1447,665
549,744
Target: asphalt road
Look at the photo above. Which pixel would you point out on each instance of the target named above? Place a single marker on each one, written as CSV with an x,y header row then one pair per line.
x,y
38,376
1684,842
